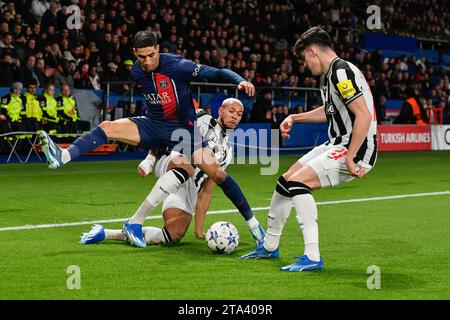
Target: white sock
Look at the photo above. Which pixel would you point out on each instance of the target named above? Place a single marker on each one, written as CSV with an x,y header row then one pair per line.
x,y
65,156
168,183
306,209
154,235
252,223
114,235
280,208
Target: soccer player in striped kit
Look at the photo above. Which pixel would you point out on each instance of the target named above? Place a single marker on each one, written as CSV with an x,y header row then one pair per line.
x,y
350,152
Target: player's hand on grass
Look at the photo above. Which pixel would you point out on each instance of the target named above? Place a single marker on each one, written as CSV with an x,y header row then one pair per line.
x,y
146,166
286,127
200,234
248,87
355,170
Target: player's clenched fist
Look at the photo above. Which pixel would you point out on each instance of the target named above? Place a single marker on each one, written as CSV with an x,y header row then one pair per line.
x,y
146,166
355,170
286,126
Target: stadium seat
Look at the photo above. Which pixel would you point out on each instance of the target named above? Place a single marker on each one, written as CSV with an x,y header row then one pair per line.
x,y
104,149
435,115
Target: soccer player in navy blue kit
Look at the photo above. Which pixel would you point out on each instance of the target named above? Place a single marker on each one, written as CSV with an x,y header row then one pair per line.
x,y
164,81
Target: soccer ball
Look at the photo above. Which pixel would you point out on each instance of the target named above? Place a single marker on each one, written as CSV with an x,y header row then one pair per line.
x,y
222,237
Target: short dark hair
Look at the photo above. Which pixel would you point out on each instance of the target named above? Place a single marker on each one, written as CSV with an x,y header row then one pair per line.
x,y
314,35
144,39
48,84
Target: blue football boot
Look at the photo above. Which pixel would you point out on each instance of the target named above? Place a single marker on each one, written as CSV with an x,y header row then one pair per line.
x,y
261,253
95,235
51,150
133,232
304,264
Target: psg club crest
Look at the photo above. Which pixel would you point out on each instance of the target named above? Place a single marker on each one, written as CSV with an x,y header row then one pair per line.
x,y
163,84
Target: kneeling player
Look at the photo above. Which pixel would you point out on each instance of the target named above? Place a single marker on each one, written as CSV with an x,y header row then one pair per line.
x,y
177,209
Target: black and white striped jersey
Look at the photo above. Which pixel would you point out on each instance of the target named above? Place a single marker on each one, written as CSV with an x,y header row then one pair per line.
x,y
339,87
218,141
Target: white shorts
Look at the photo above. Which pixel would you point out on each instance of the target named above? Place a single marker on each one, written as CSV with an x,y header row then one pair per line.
x,y
186,197
329,164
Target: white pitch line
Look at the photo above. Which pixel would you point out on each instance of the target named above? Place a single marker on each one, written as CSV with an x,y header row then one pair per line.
x,y
70,224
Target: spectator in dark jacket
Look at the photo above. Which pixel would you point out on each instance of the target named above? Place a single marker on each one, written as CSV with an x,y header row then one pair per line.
x,y
42,73
8,69
82,78
124,73
50,17
64,75
27,73
260,108
111,75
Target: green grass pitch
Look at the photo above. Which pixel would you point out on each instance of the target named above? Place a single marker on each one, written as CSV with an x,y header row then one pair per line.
x,y
407,238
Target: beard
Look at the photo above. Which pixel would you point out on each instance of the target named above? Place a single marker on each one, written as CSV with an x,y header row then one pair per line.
x,y
223,125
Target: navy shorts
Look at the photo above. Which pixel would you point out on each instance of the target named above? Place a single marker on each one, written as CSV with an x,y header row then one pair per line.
x,y
156,134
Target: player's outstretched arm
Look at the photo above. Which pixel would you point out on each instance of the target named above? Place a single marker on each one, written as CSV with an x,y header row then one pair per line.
x,y
200,71
315,116
230,76
201,207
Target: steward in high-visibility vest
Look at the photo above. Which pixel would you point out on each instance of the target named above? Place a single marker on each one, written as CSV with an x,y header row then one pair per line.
x,y
67,105
33,111
412,112
417,111
67,111
12,110
49,107
67,108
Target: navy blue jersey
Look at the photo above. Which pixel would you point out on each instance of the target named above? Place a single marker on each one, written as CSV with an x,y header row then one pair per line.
x,y
167,89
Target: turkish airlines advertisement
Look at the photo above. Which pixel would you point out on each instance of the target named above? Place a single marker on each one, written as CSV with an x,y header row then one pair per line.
x,y
404,137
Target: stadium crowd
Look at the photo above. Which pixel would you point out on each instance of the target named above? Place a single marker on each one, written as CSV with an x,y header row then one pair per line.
x,y
254,38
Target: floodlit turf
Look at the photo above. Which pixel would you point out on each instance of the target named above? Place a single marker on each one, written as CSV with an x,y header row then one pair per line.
x,y
408,239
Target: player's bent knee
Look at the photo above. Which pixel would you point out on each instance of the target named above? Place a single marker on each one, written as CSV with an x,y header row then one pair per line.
x,y
182,163
305,175
176,232
302,182
177,236
176,224
188,168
